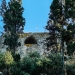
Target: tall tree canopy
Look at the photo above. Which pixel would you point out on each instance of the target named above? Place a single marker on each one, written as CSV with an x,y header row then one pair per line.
x,y
61,21
3,7
13,24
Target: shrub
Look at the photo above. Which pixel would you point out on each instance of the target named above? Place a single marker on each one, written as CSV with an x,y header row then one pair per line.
x,y
34,54
54,67
70,66
7,58
15,68
2,65
34,64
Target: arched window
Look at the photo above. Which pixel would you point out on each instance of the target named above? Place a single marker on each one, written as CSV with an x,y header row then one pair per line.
x,y
30,40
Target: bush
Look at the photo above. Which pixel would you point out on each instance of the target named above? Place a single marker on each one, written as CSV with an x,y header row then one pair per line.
x,y
15,68
52,65
33,54
2,65
70,66
34,64
16,57
27,65
7,58
70,69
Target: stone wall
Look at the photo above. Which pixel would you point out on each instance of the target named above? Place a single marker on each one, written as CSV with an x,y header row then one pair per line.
x,y
36,45
29,42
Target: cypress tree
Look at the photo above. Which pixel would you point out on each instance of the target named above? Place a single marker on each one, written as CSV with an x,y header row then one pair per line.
x,y
13,24
61,22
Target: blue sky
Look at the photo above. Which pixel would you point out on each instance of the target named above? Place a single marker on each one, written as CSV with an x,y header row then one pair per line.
x,y
36,14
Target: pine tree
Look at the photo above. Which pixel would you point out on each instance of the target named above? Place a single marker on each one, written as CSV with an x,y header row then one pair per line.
x,y
13,24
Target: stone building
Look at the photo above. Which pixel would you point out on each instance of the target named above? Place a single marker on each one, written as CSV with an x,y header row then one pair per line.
x,y
31,42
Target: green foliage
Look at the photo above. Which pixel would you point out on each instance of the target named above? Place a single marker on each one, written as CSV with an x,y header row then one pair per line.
x,y
15,68
56,11
3,7
16,57
28,65
61,23
7,58
70,66
9,41
70,32
54,22
56,59
34,65
70,48
51,65
13,24
69,8
34,54
2,65
71,70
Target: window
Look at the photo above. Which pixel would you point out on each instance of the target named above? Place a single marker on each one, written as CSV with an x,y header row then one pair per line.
x,y
30,40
